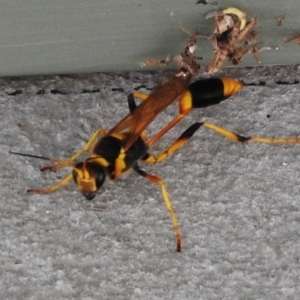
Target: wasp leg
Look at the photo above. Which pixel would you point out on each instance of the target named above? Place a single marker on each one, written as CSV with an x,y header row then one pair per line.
x,y
185,108
180,142
131,103
100,132
87,147
168,203
242,139
132,106
140,95
52,188
151,159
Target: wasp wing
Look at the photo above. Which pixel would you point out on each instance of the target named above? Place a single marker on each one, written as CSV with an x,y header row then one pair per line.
x,y
157,101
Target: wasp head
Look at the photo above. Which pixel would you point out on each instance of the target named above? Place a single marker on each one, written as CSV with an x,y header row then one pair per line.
x,y
89,176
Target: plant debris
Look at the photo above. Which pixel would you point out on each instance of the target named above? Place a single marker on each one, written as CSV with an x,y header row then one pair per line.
x,y
233,38
292,38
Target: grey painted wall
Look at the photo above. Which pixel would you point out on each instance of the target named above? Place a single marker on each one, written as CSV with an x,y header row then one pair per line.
x,y
49,37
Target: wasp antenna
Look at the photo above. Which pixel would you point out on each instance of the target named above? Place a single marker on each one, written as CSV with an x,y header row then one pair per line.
x,y
59,163
33,156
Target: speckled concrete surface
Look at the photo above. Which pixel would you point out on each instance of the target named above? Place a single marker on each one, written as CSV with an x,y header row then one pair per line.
x,y
238,206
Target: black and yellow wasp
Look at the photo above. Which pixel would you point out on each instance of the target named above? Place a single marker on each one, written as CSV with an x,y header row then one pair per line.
x,y
120,149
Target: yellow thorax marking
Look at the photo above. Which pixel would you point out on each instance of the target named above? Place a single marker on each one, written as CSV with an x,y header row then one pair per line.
x,y
99,160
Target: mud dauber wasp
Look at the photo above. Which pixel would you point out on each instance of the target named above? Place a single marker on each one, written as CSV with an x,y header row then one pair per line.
x,y
119,150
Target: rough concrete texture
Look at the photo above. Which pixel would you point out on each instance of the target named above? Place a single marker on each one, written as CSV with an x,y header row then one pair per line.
x,y
238,205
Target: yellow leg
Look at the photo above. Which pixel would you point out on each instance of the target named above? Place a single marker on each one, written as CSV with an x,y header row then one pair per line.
x,y
52,188
239,138
166,129
87,147
141,96
99,132
168,204
180,142
185,107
